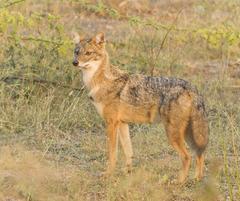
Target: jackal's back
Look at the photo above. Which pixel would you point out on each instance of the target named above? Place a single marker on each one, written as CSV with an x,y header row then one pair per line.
x,y
143,90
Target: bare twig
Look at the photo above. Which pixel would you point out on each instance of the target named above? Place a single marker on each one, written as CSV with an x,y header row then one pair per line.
x,y
163,42
9,79
11,4
41,40
37,40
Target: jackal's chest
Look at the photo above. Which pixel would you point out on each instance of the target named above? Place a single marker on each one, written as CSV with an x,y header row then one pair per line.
x,y
98,105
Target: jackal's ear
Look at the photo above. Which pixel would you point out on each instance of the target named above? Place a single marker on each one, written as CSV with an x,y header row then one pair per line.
x,y
99,38
76,37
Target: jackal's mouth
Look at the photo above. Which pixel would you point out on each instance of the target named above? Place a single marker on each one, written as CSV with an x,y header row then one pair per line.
x,y
83,65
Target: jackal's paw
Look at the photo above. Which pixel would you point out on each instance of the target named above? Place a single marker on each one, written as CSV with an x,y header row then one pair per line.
x,y
180,181
174,182
182,178
177,182
104,174
198,177
128,169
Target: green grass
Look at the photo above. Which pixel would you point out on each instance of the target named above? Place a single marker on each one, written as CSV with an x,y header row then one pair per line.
x,y
53,145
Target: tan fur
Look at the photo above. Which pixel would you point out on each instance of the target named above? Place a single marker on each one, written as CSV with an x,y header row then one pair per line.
x,y
121,98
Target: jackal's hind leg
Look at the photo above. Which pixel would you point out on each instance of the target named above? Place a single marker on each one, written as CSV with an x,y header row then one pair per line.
x,y
199,166
126,144
176,138
186,160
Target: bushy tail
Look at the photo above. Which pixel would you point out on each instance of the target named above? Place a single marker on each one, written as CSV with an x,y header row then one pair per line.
x,y
197,130
200,130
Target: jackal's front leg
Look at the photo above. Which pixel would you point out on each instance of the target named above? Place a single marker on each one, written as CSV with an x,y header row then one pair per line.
x,y
112,145
126,144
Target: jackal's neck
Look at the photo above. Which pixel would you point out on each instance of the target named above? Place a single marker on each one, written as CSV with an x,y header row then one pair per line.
x,y
103,74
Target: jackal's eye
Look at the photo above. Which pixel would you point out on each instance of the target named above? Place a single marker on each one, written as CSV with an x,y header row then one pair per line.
x,y
88,53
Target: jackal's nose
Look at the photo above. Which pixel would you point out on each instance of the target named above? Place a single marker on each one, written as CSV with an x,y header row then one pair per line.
x,y
75,62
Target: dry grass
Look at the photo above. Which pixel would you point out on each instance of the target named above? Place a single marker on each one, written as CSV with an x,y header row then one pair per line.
x,y
26,175
29,175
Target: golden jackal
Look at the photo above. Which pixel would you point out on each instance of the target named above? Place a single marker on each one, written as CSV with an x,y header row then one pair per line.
x,y
121,98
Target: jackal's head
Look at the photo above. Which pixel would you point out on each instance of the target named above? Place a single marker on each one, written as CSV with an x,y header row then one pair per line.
x,y
89,52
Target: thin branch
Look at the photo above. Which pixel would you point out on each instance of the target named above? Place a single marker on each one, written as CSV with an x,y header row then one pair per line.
x,y
164,40
11,4
9,79
41,40
37,40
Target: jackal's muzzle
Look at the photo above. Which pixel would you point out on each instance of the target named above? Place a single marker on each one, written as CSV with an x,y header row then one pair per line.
x,y
75,62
